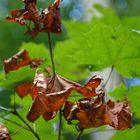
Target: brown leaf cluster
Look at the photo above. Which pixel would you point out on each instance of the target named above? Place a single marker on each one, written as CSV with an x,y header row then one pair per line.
x,y
95,113
47,20
4,133
51,92
18,61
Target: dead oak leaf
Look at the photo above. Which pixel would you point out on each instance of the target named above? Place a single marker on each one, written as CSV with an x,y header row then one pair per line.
x,y
4,133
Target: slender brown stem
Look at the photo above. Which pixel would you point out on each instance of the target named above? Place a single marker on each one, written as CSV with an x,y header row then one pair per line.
x,y
79,134
51,52
109,76
60,124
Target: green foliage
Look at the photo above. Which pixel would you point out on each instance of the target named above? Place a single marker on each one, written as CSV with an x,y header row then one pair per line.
x,y
103,42
36,50
106,44
14,78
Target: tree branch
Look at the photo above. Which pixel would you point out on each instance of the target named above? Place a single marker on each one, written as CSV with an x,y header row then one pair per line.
x,y
51,53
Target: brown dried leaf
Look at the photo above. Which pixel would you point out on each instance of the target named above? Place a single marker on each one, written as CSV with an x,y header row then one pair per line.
x,y
51,18
4,134
120,114
18,60
52,94
89,89
46,21
95,113
49,115
24,89
17,16
89,112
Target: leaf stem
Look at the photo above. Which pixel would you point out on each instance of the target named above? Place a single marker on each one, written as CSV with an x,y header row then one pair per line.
x,y
79,134
109,76
14,112
14,123
15,132
34,133
51,52
60,124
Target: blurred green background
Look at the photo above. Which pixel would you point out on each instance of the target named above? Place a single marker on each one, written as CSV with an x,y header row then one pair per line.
x,y
83,47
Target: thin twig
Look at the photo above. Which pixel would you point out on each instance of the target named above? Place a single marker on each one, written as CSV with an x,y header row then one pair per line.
x,y
109,76
14,100
51,53
14,123
15,132
14,112
79,134
60,124
5,109
34,133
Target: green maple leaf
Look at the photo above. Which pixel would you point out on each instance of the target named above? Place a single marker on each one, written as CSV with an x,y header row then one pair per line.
x,y
106,44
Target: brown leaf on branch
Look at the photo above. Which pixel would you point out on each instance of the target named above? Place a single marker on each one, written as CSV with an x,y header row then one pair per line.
x,y
89,112
95,113
120,114
24,89
52,94
51,18
4,133
20,60
29,12
46,21
89,89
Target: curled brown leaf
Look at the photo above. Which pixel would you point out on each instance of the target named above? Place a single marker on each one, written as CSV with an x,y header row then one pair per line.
x,y
95,113
18,61
4,133
51,95
46,21
89,89
120,114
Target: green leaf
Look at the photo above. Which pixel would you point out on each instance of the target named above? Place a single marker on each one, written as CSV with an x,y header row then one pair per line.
x,y
119,92
36,50
129,134
21,75
77,28
66,63
105,41
102,47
